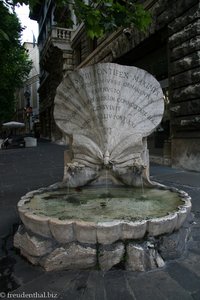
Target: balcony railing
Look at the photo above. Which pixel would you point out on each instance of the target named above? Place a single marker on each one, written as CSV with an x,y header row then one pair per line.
x,y
62,33
57,37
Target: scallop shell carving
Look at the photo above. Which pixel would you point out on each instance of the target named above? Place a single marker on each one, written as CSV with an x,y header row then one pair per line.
x,y
108,108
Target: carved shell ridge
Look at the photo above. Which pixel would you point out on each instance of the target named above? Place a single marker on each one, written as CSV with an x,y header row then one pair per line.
x,y
108,107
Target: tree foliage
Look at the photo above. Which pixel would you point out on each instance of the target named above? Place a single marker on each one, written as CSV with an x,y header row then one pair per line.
x,y
14,63
102,17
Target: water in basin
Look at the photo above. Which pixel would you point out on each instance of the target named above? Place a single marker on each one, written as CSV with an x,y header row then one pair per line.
x,y
96,204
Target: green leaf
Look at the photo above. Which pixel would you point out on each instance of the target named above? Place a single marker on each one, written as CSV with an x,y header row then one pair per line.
x,y
14,63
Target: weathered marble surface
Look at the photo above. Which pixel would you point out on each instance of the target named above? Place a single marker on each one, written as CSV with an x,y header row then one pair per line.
x,y
143,257
108,109
71,256
110,255
35,245
74,244
140,255
75,230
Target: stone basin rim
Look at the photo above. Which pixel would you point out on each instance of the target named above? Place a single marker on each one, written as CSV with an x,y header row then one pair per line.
x,y
154,226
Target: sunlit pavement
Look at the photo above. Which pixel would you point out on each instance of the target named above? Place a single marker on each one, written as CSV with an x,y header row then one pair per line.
x,y
22,170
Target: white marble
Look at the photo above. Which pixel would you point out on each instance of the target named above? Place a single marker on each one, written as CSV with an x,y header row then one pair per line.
x,y
62,230
65,231
109,109
162,225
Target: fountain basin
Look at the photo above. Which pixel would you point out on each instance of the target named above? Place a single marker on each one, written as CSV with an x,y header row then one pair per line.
x,y
89,218
88,212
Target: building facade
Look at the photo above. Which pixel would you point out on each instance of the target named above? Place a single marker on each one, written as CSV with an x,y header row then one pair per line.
x,y
169,50
27,97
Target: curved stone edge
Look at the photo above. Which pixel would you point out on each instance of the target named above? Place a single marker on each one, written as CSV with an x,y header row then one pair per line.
x,y
163,225
173,221
64,231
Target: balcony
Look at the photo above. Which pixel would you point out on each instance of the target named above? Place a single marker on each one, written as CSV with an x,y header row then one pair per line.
x,y
57,37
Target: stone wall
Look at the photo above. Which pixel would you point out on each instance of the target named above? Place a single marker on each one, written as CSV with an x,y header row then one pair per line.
x,y
57,63
181,21
120,42
184,78
48,87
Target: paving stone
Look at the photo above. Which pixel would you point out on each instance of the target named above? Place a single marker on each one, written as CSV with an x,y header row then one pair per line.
x,y
184,277
8,282
156,285
77,287
24,271
54,282
142,288
95,289
196,295
195,233
194,246
192,262
116,286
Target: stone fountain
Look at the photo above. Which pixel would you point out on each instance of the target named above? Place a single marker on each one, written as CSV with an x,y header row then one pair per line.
x,y
106,212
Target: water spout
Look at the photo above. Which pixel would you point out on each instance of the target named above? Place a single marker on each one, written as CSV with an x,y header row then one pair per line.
x,y
68,187
106,182
142,188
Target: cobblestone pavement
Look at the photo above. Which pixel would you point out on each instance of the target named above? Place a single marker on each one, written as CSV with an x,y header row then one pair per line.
x,y
22,170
